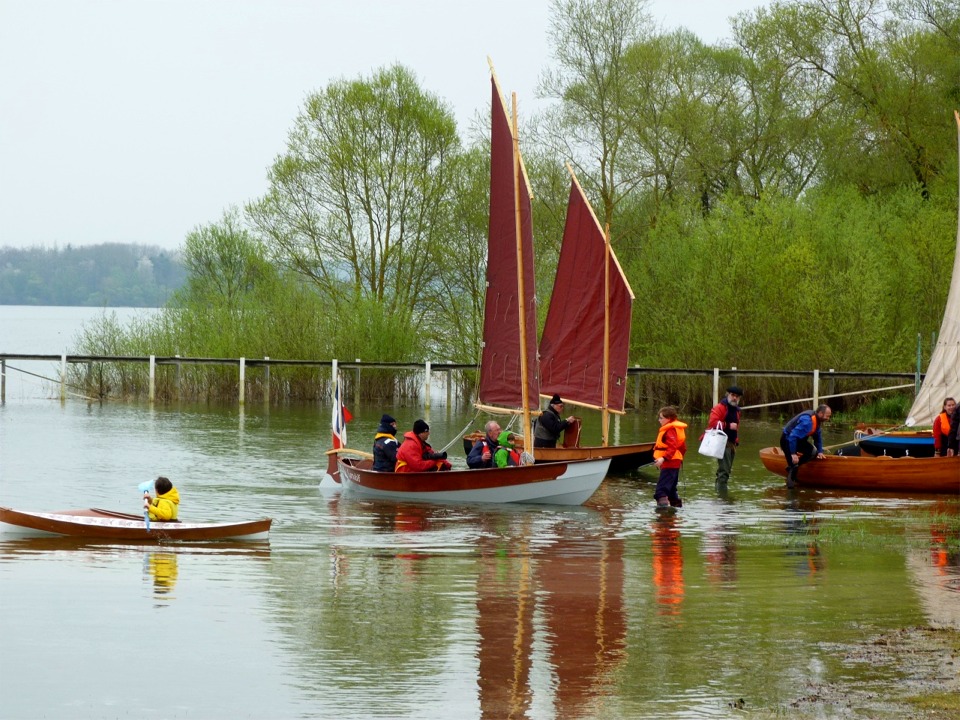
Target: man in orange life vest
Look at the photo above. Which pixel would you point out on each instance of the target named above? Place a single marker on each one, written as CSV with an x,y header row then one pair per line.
x,y
668,452
795,440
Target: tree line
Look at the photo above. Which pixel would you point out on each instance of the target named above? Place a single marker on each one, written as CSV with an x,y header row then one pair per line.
x,y
105,275
788,200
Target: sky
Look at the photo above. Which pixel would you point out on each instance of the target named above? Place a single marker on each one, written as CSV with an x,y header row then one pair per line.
x,y
140,120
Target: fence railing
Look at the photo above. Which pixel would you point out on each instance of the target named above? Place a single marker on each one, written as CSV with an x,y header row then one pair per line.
x,y
720,376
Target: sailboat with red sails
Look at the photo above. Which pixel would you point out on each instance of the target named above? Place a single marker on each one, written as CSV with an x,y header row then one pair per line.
x,y
508,366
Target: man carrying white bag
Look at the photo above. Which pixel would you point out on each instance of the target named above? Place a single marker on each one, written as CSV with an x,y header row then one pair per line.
x,y
721,437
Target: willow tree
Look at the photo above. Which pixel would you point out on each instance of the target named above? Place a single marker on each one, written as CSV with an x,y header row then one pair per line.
x,y
359,202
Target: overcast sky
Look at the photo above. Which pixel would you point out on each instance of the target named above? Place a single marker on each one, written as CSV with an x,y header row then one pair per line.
x,y
139,120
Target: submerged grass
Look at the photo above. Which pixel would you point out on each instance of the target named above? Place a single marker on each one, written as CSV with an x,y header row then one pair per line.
x,y
899,532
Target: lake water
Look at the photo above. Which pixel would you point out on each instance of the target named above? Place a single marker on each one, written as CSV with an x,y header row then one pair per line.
x,y
355,609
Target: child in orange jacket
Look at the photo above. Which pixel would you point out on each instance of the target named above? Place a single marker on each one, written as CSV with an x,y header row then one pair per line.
x,y
668,454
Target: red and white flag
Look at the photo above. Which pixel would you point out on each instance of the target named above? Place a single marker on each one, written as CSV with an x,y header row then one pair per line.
x,y
341,416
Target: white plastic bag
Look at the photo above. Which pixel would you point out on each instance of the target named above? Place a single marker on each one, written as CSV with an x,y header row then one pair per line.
x,y
714,442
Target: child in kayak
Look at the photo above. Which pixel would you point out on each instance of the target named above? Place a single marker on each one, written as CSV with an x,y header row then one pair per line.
x,y
164,507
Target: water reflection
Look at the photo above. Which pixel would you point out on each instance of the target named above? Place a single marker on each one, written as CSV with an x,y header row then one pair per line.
x,y
720,552
162,568
667,565
555,599
801,527
504,622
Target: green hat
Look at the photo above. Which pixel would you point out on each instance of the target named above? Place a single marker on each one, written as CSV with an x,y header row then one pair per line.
x,y
505,438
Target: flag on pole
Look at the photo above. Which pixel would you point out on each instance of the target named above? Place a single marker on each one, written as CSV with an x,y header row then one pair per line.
x,y
341,416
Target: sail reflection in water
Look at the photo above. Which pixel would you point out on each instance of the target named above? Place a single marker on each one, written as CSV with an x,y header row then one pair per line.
x,y
557,599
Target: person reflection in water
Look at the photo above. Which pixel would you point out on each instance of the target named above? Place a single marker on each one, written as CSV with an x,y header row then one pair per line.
x,y
163,569
667,565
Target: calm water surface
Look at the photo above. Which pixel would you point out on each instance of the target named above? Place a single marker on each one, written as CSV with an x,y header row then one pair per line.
x,y
356,609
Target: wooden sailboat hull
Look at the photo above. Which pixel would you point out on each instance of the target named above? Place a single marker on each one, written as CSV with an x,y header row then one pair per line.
x,y
623,458
96,524
869,472
552,483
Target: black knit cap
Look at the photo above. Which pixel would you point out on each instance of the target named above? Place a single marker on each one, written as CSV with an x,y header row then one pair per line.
x,y
386,420
735,390
419,426
555,400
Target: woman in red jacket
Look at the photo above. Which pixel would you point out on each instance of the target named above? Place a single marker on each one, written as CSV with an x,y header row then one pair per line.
x,y
941,426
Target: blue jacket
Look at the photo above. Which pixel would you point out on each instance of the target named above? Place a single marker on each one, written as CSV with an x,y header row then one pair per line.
x,y
801,427
475,458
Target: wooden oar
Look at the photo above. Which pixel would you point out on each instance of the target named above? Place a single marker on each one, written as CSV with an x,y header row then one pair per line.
x,y
349,451
144,487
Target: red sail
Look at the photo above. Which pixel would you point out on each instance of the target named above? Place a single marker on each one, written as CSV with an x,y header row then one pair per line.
x,y
571,349
500,368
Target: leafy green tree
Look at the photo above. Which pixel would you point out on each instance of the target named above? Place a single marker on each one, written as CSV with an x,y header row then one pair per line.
x,y
591,39
891,70
359,202
225,262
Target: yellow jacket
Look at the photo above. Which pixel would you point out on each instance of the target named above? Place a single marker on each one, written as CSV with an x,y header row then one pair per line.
x,y
165,507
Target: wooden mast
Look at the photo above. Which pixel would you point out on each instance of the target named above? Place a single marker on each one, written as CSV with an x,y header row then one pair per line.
x,y
605,421
522,308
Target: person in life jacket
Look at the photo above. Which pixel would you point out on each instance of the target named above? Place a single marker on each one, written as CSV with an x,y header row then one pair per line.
x,y
668,452
800,437
385,445
506,455
726,414
483,450
941,426
415,453
953,437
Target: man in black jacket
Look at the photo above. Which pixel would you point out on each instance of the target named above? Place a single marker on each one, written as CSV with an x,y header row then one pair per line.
x,y
550,425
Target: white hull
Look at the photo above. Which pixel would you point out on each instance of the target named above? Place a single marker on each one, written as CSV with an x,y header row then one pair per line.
x,y
574,486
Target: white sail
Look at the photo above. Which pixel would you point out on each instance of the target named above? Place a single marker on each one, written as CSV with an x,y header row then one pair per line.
x,y
943,376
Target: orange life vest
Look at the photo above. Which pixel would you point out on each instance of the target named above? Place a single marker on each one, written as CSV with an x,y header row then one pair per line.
x,y
944,423
660,447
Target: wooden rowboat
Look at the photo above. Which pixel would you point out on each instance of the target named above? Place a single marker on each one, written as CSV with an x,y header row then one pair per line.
x,y
870,472
96,524
552,483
